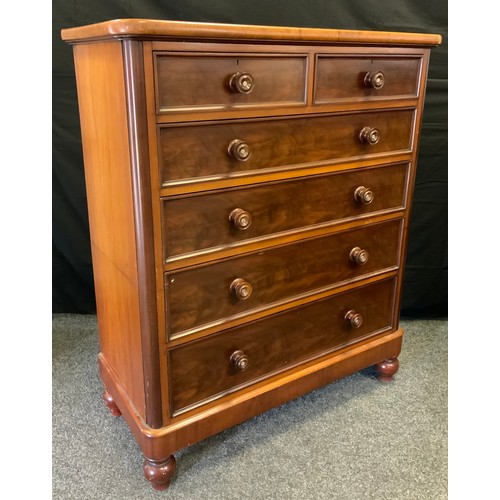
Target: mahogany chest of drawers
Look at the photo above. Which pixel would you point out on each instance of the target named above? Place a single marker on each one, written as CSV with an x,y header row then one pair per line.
x,y
249,190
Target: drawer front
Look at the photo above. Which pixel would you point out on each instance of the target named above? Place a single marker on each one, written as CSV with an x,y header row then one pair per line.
x,y
210,293
202,222
365,78
226,149
197,82
207,368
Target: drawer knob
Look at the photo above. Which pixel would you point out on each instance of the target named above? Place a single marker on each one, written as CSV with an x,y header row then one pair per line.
x,y
241,288
364,195
369,135
241,83
239,149
240,218
239,360
355,319
374,80
359,256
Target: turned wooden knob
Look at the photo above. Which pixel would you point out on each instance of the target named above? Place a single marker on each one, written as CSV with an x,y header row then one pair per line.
x,y
241,288
239,149
355,319
240,218
369,135
241,83
374,80
239,360
364,195
359,256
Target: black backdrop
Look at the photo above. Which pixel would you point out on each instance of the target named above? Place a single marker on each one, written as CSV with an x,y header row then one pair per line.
x,y
426,276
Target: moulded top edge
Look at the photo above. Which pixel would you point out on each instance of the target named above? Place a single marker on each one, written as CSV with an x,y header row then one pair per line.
x,y
148,28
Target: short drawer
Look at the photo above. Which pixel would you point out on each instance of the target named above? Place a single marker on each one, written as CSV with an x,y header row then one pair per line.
x,y
211,294
341,77
200,82
206,369
231,217
225,150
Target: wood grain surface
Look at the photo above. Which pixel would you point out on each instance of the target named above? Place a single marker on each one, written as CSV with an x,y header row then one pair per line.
x,y
102,99
202,369
200,296
202,81
202,150
194,223
151,28
340,77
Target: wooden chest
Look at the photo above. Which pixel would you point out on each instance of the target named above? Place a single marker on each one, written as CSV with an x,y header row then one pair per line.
x,y
249,190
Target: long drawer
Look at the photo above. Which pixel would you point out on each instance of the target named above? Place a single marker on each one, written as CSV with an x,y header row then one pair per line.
x,y
211,294
231,217
222,150
205,369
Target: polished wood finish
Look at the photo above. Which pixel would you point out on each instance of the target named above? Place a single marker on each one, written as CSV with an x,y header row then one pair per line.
x,y
239,150
283,109
110,199
143,223
201,222
353,318
202,150
240,218
374,80
200,370
359,256
364,195
111,404
233,409
148,69
249,214
159,472
276,307
241,289
412,177
370,135
387,369
198,297
341,77
241,82
152,28
204,82
238,361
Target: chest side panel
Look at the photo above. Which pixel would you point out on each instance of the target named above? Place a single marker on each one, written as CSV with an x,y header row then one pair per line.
x,y
102,105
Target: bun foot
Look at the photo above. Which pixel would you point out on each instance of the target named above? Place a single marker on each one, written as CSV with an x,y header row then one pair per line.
x,y
387,369
110,403
159,472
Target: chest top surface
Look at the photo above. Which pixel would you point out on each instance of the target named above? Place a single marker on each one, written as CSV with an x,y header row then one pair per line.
x,y
148,28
